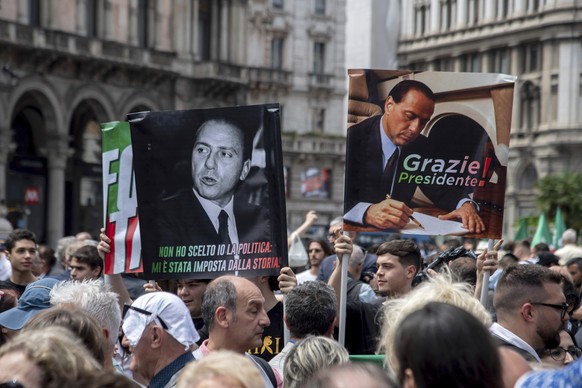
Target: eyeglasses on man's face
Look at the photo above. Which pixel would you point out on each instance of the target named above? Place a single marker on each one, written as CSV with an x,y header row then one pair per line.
x,y
559,353
128,307
11,384
563,307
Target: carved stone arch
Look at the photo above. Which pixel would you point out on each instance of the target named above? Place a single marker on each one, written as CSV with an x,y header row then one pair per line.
x,y
97,98
136,102
37,92
36,135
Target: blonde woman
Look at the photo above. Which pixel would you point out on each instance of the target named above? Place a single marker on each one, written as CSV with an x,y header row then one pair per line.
x,y
221,368
310,355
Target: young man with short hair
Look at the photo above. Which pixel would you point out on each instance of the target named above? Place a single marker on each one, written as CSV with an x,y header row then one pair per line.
x,y
398,263
86,264
21,251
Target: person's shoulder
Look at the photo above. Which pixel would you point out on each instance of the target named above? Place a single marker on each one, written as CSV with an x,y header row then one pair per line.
x,y
178,197
250,214
304,276
362,126
366,307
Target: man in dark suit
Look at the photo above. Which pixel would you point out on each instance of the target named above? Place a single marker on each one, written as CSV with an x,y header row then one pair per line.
x,y
209,212
376,149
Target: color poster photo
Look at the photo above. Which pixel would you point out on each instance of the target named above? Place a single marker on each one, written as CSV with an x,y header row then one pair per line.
x,y
427,152
210,191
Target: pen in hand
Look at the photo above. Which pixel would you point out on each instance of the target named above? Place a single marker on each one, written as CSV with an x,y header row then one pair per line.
x,y
414,220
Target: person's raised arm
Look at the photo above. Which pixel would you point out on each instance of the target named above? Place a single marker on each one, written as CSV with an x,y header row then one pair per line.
x,y
310,219
343,247
287,280
115,280
486,261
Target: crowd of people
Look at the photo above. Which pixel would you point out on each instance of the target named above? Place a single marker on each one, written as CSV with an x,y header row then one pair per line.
x,y
64,323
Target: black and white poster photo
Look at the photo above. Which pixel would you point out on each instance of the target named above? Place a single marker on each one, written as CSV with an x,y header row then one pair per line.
x,y
210,191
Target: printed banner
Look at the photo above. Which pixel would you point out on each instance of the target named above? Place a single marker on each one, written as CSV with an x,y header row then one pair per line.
x,y
119,200
211,191
427,152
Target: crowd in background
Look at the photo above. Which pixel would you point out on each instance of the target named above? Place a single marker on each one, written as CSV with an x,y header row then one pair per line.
x,y
414,317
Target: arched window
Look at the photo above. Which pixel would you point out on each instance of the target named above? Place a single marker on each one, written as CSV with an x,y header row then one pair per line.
x,y
422,17
528,178
530,106
448,14
91,140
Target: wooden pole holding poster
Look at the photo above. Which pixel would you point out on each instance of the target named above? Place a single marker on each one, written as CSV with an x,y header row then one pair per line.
x,y
486,275
342,306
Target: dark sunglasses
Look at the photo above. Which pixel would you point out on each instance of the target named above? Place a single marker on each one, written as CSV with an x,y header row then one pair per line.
x,y
128,307
563,307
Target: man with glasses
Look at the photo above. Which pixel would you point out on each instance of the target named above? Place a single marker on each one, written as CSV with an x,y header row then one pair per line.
x,y
160,333
531,310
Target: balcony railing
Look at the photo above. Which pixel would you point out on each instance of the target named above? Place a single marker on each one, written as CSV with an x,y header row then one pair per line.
x,y
269,76
320,80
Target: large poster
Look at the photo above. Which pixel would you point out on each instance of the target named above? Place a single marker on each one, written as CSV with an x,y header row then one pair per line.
x,y
210,191
119,200
427,152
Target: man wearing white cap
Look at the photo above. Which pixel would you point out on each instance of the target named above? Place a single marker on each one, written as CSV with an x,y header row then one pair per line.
x,y
160,332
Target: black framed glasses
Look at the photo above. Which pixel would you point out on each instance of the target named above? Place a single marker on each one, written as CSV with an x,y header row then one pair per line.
x,y
11,384
559,353
563,307
128,307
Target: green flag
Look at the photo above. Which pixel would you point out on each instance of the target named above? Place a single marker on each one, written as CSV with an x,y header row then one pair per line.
x,y
522,230
542,232
559,228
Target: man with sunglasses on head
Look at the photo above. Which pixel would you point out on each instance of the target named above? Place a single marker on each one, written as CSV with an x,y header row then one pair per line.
x,y
531,310
160,333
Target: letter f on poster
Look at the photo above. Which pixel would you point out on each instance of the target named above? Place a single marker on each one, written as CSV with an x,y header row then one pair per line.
x,y
119,200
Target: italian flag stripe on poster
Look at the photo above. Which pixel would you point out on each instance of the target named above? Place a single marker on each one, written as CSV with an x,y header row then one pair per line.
x,y
120,200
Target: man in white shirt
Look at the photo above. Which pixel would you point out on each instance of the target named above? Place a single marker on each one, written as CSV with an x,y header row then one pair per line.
x,y
317,250
531,310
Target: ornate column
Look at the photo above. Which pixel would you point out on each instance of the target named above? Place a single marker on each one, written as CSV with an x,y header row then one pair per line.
x,y
8,147
214,31
57,152
224,28
461,13
194,47
435,16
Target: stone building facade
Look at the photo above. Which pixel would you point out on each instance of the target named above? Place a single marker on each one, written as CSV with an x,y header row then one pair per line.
x,y
68,65
537,40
